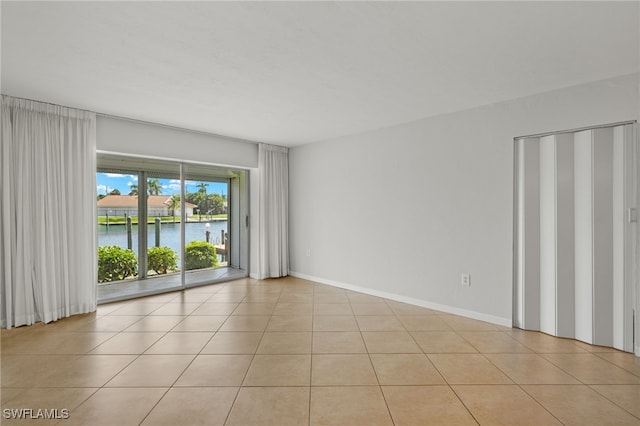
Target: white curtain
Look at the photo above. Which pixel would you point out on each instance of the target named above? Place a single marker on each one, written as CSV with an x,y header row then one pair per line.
x,y
47,231
273,249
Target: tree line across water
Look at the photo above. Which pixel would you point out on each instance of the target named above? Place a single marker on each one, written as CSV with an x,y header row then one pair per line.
x,y
210,204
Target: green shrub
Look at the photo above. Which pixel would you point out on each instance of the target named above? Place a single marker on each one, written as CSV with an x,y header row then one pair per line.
x,y
200,254
162,259
116,263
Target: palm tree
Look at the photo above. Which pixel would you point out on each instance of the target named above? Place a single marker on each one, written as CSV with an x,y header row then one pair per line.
x,y
153,186
202,187
174,204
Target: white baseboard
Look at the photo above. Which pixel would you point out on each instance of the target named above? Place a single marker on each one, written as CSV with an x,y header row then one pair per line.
x,y
505,322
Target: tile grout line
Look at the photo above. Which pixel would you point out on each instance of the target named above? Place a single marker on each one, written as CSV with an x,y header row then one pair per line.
x,y
614,364
519,385
612,401
384,398
313,309
281,294
463,403
445,379
186,367
244,377
149,315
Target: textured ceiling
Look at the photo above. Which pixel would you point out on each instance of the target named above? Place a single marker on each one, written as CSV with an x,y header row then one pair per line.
x,y
299,72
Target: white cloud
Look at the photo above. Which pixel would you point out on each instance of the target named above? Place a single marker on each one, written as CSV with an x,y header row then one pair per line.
x,y
133,180
121,176
101,189
173,187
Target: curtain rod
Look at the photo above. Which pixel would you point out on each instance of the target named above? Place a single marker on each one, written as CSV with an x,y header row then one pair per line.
x,y
580,129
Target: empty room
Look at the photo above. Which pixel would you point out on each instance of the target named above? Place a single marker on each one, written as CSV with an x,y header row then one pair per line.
x,y
319,213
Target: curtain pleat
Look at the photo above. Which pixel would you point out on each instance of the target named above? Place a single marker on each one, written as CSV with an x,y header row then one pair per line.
x,y
48,210
273,249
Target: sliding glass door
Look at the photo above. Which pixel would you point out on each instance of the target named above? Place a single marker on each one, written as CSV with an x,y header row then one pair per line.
x,y
165,225
118,229
206,228
161,239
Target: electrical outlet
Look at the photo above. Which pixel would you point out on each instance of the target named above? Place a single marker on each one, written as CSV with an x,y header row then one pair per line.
x,y
465,280
308,252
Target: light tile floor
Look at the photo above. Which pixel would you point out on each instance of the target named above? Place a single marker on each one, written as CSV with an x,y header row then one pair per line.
x,y
293,352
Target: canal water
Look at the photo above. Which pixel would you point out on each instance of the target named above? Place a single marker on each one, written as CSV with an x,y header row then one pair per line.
x,y
169,234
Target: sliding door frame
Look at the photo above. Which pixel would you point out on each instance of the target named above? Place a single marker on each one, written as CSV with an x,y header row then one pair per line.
x,y
126,164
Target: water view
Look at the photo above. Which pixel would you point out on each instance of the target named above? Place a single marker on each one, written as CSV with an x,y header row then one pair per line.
x,y
169,234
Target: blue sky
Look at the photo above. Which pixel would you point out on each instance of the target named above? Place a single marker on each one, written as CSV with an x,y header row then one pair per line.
x,y
107,182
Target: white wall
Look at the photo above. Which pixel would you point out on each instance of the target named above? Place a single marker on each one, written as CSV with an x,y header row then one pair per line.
x,y
404,210
136,138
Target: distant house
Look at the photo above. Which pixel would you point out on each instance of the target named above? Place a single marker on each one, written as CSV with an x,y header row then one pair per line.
x,y
121,205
